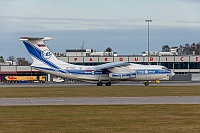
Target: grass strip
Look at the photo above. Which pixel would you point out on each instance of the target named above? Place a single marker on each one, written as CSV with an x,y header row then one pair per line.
x,y
118,118
93,91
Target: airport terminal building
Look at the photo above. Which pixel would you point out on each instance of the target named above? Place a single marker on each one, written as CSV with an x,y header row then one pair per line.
x,y
186,68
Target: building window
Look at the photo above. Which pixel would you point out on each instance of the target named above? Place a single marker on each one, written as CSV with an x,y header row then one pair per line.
x,y
181,65
194,65
169,65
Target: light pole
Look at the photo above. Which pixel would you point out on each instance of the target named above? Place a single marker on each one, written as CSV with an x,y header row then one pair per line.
x,y
148,21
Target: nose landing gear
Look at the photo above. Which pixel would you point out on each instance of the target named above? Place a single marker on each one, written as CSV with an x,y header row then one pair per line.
x,y
146,83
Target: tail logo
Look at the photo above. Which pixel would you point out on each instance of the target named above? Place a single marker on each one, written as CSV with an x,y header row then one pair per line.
x,y
46,54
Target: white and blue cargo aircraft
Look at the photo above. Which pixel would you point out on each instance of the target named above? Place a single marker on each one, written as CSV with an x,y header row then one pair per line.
x,y
109,73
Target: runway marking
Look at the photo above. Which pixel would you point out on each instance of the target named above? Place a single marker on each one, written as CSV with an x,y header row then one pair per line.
x,y
100,101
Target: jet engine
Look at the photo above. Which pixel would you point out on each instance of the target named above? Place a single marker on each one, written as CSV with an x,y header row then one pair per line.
x,y
122,75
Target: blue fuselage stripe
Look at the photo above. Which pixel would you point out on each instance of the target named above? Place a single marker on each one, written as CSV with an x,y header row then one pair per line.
x,y
152,71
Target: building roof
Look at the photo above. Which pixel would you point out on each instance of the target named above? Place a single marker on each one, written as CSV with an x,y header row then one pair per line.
x,y
75,50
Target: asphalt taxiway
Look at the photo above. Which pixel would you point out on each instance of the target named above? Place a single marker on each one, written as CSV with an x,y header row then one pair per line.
x,y
99,101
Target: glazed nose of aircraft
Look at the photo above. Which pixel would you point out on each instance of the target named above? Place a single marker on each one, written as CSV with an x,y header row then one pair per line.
x,y
172,73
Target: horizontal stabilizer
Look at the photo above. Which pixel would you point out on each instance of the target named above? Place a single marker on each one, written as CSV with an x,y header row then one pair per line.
x,y
35,38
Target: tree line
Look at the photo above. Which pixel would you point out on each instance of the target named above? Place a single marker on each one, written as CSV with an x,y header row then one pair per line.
x,y
187,49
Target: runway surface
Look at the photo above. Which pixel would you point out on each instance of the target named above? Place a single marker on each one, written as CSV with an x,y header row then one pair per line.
x,y
123,83
99,101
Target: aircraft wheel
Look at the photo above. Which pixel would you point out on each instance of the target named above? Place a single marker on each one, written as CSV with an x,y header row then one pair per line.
x,y
108,84
146,83
99,84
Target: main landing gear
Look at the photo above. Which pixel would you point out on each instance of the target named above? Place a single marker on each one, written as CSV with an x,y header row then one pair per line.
x,y
107,84
99,84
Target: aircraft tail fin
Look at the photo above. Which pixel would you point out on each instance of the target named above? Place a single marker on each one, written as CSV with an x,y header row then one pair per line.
x,y
42,56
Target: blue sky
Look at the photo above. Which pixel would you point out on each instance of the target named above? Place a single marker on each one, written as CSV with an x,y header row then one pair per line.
x,y
119,24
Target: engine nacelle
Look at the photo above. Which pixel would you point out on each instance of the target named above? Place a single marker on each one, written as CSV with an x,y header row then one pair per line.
x,y
121,75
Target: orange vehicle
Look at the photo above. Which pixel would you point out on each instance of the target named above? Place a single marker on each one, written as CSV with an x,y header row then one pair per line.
x,y
29,79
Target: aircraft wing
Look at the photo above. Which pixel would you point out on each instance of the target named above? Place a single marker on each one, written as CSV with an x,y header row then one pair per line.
x,y
109,65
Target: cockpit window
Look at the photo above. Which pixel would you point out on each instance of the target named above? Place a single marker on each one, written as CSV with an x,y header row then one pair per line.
x,y
164,68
